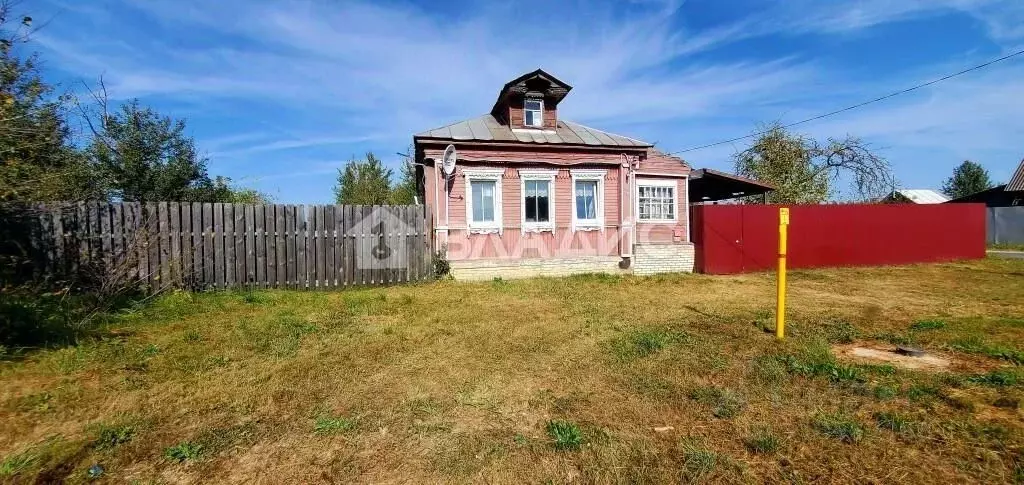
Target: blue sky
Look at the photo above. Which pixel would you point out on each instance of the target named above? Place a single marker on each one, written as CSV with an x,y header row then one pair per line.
x,y
280,94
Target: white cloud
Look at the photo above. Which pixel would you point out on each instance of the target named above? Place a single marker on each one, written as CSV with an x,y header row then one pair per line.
x,y
368,71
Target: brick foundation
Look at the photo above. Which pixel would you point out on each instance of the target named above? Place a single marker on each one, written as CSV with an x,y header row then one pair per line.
x,y
486,269
662,258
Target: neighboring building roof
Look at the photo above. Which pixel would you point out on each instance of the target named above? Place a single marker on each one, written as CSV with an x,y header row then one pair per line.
x,y
487,128
1016,182
707,185
920,196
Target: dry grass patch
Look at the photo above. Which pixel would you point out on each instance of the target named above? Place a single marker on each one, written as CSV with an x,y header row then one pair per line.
x,y
545,380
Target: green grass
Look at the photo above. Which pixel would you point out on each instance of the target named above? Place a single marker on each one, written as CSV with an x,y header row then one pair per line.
x,y
763,440
565,435
928,325
894,422
588,379
698,461
840,426
331,424
112,436
185,451
17,463
724,403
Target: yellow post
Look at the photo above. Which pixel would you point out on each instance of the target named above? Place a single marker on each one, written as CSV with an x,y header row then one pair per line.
x,y
780,304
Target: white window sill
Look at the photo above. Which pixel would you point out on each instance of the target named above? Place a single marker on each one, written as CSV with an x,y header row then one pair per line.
x,y
657,221
588,226
484,230
543,227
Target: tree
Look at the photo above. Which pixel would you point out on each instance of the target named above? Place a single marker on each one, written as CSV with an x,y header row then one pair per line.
x,y
37,159
145,156
404,192
803,170
968,178
363,182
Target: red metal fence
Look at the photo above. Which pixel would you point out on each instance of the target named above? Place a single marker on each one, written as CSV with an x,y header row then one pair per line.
x,y
742,238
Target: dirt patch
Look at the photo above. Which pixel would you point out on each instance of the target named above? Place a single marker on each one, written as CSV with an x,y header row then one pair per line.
x,y
877,352
866,352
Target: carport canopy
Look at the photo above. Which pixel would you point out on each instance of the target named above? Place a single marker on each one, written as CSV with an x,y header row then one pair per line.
x,y
708,185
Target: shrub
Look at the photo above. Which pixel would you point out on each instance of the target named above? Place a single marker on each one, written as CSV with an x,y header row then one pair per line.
x,y
442,268
184,451
566,435
839,426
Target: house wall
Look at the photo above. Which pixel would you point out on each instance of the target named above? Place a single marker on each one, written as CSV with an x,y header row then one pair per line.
x,y
661,232
513,241
515,252
515,113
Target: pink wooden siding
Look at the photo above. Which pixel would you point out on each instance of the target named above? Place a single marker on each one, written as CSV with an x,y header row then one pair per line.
x,y
512,242
659,232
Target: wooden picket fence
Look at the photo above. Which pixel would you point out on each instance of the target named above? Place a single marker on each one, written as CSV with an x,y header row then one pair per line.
x,y
223,245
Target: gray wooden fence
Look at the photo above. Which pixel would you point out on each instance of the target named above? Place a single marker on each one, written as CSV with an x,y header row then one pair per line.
x,y
215,245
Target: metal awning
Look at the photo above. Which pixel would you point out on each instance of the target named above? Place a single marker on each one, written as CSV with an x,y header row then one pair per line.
x,y
707,185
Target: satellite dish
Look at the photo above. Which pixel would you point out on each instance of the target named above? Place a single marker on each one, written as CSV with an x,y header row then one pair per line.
x,y
448,161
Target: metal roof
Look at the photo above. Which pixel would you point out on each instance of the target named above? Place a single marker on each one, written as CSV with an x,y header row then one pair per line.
x,y
922,196
707,185
1016,182
487,128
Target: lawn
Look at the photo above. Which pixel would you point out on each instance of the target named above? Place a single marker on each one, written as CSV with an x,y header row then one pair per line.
x,y
583,379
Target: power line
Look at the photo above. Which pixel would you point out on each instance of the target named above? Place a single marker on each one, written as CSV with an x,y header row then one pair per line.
x,y
848,108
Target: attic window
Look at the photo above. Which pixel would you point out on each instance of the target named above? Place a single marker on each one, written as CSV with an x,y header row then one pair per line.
x,y
533,113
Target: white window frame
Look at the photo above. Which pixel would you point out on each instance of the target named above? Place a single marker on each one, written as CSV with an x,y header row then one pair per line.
x,y
598,222
540,112
671,183
484,175
537,175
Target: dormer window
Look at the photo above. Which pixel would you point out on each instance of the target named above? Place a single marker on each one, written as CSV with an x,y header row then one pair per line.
x,y
533,113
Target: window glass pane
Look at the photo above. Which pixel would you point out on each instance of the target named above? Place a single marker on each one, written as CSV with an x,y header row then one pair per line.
x,y
536,200
483,200
542,209
657,202
586,199
530,201
533,104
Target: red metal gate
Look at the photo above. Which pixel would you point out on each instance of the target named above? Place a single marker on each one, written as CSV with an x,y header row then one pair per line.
x,y
740,238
